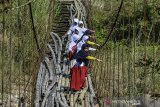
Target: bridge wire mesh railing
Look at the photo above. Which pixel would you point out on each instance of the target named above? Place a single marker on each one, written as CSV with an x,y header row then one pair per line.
x,y
18,50
49,91
130,60
82,15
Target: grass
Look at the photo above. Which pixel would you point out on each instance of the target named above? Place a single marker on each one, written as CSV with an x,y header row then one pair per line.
x,y
20,44
129,68
122,72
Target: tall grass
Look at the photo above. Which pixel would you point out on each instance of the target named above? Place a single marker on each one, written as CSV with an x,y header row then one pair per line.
x,y
130,65
20,59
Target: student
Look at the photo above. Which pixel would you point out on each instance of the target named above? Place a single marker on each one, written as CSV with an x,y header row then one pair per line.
x,y
82,29
85,40
80,69
77,42
72,48
75,34
73,26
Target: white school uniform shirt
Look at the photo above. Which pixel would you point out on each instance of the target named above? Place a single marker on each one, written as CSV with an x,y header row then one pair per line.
x,y
72,29
79,45
81,30
71,44
74,37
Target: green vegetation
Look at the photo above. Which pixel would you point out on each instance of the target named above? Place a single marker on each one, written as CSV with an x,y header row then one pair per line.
x,y
131,58
19,56
131,61
134,21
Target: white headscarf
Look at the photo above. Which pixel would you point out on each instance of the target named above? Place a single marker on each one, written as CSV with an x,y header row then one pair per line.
x,y
81,30
76,20
79,45
72,27
80,22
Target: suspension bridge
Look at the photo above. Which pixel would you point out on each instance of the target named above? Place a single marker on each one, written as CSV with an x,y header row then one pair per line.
x,y
39,74
52,87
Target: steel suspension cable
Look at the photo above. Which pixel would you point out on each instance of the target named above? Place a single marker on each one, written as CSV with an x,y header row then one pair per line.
x,y
2,58
134,53
113,26
154,55
104,76
10,60
108,76
110,63
129,58
123,60
118,62
34,29
145,46
113,73
18,48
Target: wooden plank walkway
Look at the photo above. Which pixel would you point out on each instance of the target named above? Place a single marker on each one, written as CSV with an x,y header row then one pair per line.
x,y
77,99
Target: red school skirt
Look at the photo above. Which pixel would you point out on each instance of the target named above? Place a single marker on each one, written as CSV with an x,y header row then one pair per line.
x,y
78,77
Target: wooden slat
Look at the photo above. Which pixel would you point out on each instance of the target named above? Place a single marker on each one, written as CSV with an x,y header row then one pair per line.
x,y
63,82
75,98
67,82
83,92
87,100
81,98
72,100
82,103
